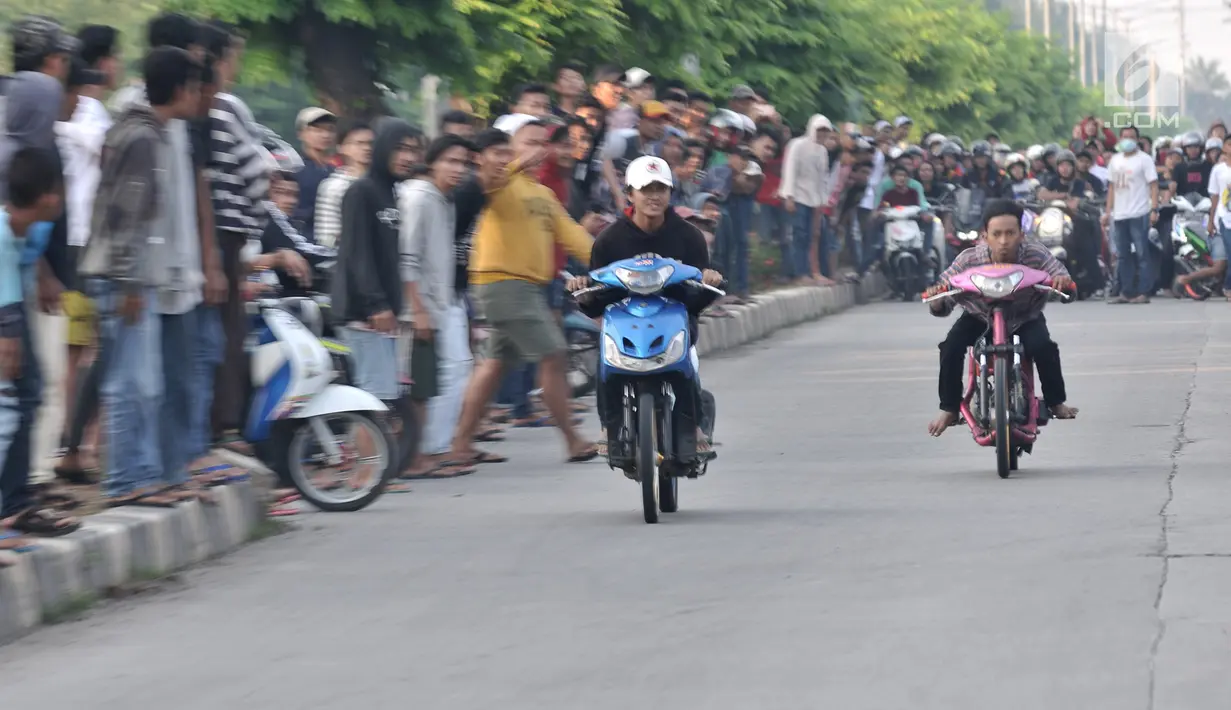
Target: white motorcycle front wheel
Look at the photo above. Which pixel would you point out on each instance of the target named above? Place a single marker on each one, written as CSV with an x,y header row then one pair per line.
x,y
341,461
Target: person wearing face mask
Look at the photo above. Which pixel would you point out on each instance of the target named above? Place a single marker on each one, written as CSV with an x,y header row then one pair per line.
x,y
1132,203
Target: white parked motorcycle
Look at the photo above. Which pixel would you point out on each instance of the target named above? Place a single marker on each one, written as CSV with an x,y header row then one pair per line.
x,y
301,423
1052,228
909,265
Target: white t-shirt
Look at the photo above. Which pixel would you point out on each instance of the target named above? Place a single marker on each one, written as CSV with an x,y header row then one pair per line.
x,y
1220,186
1131,175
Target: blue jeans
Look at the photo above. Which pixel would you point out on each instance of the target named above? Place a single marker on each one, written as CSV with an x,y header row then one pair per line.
x,y
801,239
515,390
776,225
178,335
131,392
740,209
1134,271
19,401
828,245
206,357
1225,233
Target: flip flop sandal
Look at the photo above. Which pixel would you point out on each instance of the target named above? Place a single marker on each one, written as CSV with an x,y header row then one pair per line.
x,y
582,458
144,500
44,521
185,493
490,435
485,457
77,476
444,469
281,512
60,499
538,423
395,487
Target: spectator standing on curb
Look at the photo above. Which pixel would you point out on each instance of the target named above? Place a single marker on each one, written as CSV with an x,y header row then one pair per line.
x,y
607,88
805,187
239,175
511,263
80,146
316,128
34,200
773,225
83,135
355,149
126,268
746,178
368,296
440,358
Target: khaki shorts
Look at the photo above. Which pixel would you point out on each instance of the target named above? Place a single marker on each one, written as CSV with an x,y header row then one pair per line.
x,y
82,319
523,327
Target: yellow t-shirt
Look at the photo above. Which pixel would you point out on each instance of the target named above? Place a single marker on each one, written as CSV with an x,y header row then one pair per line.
x,y
517,233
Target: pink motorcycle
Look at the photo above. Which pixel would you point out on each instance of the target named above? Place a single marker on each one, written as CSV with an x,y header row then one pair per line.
x,y
999,403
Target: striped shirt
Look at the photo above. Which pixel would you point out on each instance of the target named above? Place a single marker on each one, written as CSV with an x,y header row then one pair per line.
x,y
239,167
328,220
1024,306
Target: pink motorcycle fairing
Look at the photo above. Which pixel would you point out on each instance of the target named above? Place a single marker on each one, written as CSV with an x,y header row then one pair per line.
x,y
1030,278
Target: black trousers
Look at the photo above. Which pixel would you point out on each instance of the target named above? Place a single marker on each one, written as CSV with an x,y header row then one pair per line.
x,y
231,381
1036,341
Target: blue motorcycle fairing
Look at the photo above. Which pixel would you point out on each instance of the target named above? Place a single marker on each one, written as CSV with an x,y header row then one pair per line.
x,y
263,403
681,272
643,327
578,321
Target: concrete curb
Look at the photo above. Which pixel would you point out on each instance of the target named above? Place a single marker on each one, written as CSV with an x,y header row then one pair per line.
x,y
773,311
117,547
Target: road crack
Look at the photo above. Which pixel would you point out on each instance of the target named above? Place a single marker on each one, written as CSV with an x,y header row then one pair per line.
x,y
1164,552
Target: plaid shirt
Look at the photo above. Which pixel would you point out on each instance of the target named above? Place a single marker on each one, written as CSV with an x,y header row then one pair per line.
x,y
1023,307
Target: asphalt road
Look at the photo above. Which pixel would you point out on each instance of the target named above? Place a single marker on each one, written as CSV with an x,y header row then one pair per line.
x,y
835,557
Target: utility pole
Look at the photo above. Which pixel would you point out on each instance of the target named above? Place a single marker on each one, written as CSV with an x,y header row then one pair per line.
x,y
1081,44
1183,62
1153,96
1072,38
1047,19
1101,61
1029,5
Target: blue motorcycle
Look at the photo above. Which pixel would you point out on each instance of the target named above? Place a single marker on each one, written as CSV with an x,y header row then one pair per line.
x,y
648,356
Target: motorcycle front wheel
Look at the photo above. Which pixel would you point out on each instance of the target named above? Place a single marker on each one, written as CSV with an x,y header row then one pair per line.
x,y
1003,426
358,477
647,457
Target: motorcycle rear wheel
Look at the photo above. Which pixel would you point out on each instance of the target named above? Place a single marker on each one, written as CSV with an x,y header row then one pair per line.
x,y
1004,428
647,457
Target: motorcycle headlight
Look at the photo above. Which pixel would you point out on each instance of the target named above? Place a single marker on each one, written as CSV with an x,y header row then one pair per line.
x,y
1051,224
644,282
997,286
674,353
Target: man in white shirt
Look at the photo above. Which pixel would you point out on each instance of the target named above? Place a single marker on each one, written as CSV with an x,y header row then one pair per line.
x,y
804,188
80,140
1132,203
1220,224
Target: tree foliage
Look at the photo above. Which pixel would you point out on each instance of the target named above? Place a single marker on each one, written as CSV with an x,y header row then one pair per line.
x,y
949,64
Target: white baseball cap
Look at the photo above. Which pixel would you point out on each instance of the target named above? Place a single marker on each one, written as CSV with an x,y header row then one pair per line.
x,y
647,170
511,123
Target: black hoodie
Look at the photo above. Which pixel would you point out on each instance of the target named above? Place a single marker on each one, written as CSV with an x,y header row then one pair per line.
x,y
366,279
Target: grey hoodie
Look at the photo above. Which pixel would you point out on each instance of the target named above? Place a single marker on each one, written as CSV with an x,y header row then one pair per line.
x,y
428,256
32,106
805,169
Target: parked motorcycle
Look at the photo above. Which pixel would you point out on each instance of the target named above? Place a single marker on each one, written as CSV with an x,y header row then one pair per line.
x,y
647,354
1190,237
909,264
1054,227
999,403
301,422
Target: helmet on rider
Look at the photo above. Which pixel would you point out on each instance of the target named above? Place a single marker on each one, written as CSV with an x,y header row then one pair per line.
x,y
914,151
726,129
1015,166
933,142
1192,138
1213,145
1066,156
1049,153
981,148
950,149
1035,152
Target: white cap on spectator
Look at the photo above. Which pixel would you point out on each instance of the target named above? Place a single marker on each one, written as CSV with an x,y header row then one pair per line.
x,y
311,115
647,170
902,121
880,125
511,123
634,78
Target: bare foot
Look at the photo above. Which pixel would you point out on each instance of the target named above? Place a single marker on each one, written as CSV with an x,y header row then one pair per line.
x,y
1064,411
942,422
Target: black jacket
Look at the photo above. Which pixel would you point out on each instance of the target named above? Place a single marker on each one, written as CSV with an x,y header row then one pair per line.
x,y
366,279
676,239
